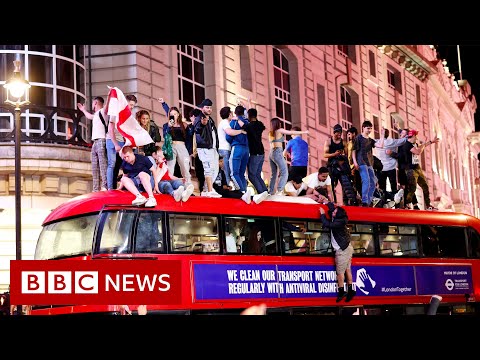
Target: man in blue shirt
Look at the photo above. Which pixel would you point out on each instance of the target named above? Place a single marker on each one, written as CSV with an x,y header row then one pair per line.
x,y
137,176
297,150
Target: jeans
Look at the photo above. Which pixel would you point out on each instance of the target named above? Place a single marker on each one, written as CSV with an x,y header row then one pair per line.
x,y
255,163
111,159
168,186
238,165
277,161
368,183
226,163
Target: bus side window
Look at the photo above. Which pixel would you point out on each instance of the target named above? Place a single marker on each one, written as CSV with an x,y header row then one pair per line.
x,y
115,236
452,242
362,239
474,238
149,233
194,233
445,241
398,240
250,235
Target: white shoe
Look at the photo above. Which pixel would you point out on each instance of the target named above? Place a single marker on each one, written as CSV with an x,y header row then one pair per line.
x,y
247,196
177,194
213,194
187,192
375,201
260,197
151,202
139,200
281,193
398,196
204,193
389,205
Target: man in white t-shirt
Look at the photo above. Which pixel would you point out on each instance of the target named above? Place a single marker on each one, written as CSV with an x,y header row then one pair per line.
x,y
320,184
99,151
296,187
224,147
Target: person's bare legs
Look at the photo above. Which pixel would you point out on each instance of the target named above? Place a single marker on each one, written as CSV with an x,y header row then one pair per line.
x,y
130,185
145,179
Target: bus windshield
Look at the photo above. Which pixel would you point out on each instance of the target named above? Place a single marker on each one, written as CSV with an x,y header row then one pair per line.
x,y
66,238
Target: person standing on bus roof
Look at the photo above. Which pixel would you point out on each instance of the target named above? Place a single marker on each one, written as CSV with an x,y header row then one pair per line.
x,y
137,176
340,238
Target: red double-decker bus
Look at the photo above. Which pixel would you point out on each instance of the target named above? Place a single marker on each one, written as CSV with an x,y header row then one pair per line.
x,y
281,253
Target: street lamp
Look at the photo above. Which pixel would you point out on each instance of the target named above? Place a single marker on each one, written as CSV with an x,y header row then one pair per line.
x,y
17,88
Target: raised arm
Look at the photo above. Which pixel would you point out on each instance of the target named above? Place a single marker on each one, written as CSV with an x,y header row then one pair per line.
x,y
81,107
165,106
292,132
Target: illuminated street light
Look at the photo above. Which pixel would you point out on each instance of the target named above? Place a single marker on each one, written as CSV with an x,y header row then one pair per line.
x,y
17,96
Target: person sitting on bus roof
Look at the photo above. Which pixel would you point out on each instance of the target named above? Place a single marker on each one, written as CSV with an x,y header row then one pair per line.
x,y
340,237
166,183
320,184
297,188
137,170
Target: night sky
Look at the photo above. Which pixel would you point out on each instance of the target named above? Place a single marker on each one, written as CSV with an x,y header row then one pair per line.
x,y
469,58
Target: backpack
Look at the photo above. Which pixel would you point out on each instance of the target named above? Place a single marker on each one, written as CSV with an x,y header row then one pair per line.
x,y
167,147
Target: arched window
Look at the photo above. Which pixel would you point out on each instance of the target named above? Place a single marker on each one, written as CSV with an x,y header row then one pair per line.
x,y
346,108
281,74
191,76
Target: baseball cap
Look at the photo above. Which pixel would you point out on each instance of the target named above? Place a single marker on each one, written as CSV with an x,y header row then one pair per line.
x,y
412,132
337,127
205,102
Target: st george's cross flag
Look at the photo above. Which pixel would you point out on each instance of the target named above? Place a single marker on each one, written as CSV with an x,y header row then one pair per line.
x,y
125,122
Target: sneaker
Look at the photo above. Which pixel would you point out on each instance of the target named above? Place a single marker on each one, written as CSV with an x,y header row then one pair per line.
x,y
415,207
375,201
260,197
151,202
247,196
204,193
398,196
389,205
139,200
213,194
432,208
177,194
187,192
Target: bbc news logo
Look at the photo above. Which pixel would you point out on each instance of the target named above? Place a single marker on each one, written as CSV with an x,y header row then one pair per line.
x,y
99,282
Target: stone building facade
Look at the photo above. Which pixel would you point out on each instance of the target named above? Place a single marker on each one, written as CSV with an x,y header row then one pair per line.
x,y
311,86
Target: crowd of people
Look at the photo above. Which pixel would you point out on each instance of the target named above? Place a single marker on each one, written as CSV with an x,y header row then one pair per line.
x,y
228,157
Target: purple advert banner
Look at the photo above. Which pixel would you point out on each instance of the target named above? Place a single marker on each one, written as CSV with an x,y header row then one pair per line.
x,y
258,281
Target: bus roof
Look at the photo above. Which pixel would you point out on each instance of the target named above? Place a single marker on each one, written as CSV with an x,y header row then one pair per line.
x,y
95,201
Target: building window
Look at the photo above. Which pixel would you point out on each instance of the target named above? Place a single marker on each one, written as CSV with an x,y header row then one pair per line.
x,y
419,96
393,128
394,78
376,127
281,76
347,51
346,108
191,76
322,106
245,68
57,76
343,50
371,60
391,78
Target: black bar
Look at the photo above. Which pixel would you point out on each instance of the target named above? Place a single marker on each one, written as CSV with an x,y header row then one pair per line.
x,y
18,189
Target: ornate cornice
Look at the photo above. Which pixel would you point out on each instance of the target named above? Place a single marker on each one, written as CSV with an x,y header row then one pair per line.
x,y
408,58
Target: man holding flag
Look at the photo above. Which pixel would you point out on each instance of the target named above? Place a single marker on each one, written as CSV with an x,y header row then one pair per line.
x,y
127,125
